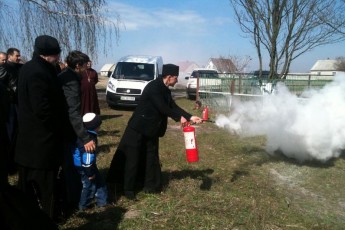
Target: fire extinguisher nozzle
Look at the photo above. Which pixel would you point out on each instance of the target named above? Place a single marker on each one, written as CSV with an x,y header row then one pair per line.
x,y
208,120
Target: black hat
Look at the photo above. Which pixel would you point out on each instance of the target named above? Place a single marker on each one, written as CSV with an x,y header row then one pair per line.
x,y
170,69
46,45
92,121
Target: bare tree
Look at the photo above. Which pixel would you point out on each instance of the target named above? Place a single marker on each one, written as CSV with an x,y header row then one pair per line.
x,y
239,64
224,65
286,29
340,64
9,31
81,24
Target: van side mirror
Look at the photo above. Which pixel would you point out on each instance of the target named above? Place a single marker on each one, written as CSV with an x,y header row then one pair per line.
x,y
186,78
109,73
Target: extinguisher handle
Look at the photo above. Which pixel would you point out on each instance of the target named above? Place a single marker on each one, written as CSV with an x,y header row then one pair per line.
x,y
189,123
186,124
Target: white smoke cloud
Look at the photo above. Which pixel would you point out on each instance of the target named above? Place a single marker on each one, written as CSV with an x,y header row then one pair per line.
x,y
312,128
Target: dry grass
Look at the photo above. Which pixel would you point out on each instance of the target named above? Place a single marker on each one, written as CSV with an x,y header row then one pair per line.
x,y
235,185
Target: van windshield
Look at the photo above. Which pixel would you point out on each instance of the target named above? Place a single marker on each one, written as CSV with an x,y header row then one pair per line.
x,y
134,71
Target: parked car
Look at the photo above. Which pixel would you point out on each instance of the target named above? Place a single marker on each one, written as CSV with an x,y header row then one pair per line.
x,y
199,73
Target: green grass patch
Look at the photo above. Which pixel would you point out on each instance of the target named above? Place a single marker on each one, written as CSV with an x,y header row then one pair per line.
x,y
235,185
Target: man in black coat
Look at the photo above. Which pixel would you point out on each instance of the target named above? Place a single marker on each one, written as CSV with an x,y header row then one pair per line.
x,y
17,211
140,142
40,116
13,66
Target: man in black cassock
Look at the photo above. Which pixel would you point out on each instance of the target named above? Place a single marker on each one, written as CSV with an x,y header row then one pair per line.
x,y
137,154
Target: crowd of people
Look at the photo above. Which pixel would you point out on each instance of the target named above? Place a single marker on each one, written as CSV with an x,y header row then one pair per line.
x,y
48,133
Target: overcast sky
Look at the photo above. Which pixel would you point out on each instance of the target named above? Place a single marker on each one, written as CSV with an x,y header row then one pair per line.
x,y
193,30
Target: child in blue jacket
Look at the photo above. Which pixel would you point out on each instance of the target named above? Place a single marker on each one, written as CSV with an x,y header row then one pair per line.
x,y
93,183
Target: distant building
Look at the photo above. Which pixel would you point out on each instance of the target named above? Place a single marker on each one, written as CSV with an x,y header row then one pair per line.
x,y
222,65
107,69
324,67
186,68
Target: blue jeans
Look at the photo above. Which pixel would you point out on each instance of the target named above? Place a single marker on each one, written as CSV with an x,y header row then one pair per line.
x,y
94,188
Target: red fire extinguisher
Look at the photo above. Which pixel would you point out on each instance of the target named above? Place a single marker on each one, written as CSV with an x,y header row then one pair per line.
x,y
190,143
205,113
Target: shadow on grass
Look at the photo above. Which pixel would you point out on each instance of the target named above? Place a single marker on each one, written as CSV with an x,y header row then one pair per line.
x,y
109,218
237,174
105,117
105,148
194,174
108,132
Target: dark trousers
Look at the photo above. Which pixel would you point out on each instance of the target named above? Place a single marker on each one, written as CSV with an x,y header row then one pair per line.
x,y
70,178
136,161
40,185
94,188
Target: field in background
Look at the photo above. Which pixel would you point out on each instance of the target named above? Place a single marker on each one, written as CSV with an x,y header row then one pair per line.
x,y
235,185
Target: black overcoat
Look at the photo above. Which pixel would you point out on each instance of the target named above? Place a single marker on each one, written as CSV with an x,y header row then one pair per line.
x,y
70,81
40,116
155,106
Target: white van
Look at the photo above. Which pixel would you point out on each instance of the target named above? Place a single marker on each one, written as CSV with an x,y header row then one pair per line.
x,y
129,78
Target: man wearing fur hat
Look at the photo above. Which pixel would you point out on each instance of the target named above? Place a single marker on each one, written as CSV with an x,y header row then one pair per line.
x,y
40,121
141,137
